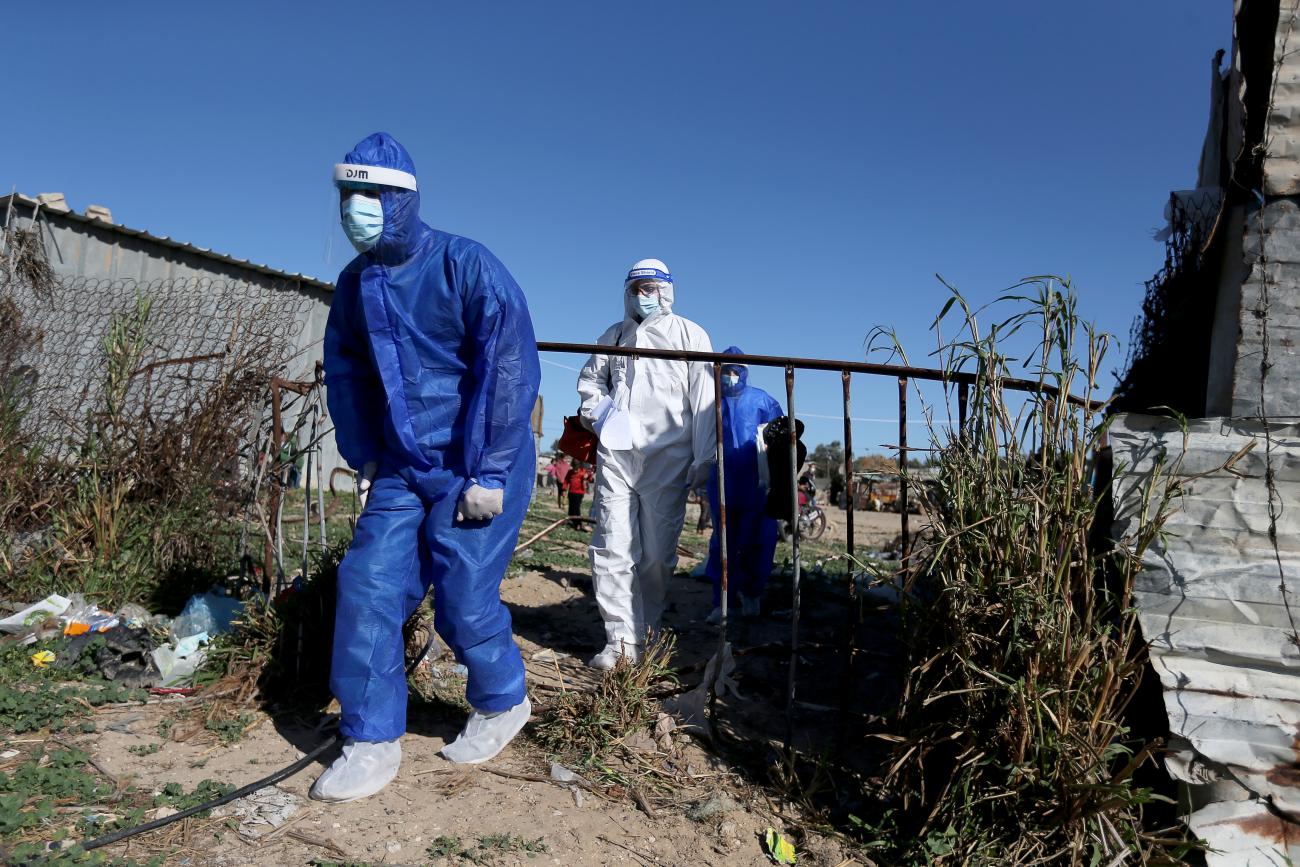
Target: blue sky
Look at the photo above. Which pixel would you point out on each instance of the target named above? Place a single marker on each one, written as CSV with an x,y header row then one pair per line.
x,y
804,169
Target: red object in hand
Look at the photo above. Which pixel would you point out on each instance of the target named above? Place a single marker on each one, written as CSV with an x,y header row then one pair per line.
x,y
577,441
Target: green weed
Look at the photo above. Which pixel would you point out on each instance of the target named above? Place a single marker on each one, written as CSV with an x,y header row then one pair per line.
x,y
60,709
230,730
174,795
132,495
31,798
488,850
444,846
513,843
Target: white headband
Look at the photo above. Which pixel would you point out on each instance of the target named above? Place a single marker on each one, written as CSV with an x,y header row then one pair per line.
x,y
350,173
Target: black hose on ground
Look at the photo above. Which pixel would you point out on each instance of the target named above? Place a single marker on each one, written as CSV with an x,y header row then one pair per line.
x,y
282,774
428,645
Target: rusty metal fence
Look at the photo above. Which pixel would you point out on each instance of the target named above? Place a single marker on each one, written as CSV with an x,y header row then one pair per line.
x,y
905,375
305,404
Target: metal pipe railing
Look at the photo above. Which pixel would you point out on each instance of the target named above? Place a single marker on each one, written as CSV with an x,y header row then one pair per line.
x,y
904,374
931,374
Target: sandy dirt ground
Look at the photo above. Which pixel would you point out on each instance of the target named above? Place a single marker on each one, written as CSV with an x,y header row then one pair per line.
x,y
557,626
870,529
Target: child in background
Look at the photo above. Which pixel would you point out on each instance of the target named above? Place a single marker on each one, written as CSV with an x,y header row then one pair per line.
x,y
575,483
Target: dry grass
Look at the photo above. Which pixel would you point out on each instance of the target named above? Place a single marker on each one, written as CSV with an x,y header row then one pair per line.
x,y
123,456
586,727
1022,642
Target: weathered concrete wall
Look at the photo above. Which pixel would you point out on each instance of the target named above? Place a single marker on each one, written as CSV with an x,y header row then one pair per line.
x,y
1268,316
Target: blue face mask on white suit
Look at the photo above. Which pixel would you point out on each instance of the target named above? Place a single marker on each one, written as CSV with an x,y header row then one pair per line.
x,y
647,307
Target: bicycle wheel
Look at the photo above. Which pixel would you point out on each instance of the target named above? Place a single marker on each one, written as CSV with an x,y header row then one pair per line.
x,y
816,525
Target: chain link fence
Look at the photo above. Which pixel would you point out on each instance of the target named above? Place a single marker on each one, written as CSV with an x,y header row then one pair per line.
x,y
137,414
191,336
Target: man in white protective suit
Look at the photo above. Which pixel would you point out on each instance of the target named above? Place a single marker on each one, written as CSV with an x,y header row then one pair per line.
x,y
654,418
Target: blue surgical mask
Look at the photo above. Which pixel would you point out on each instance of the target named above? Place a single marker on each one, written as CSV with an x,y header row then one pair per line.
x,y
647,307
363,220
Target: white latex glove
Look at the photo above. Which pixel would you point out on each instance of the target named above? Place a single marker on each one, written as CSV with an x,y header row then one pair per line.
x,y
479,504
365,480
699,477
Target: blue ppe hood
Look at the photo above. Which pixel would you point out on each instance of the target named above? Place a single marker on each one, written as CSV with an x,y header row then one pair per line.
x,y
741,369
403,230
430,358
743,410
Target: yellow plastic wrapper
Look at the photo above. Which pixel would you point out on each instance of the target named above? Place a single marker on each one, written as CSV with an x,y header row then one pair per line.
x,y
779,849
42,658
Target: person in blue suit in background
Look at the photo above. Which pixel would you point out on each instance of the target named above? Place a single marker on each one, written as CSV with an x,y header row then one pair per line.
x,y
751,535
431,373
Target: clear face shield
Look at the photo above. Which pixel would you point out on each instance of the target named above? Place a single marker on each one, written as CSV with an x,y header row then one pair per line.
x,y
355,211
342,208
645,297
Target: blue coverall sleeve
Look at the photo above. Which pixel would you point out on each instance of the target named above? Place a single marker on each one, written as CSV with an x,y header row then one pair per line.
x,y
507,375
352,387
770,411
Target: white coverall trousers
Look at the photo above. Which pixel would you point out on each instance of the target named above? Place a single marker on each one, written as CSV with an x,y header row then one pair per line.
x,y
640,505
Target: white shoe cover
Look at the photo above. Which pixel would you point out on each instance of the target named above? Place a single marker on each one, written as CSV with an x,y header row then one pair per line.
x,y
605,660
715,616
364,768
487,734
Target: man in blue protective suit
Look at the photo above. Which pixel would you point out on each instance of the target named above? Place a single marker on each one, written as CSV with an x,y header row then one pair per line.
x,y
751,535
431,372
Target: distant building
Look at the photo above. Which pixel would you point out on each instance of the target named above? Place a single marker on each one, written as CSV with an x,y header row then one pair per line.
x,y
102,263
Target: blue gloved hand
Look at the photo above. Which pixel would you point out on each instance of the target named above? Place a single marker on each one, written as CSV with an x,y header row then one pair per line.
x,y
479,504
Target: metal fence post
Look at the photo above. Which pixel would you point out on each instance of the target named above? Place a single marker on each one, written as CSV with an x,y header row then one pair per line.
x,y
846,378
721,528
306,494
269,559
320,410
963,398
854,614
794,541
902,465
